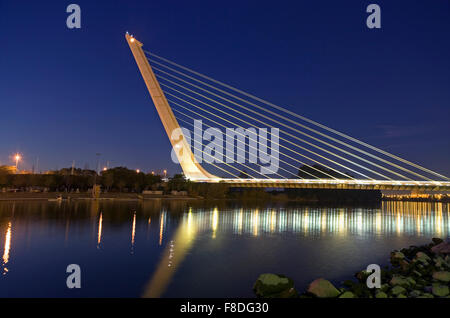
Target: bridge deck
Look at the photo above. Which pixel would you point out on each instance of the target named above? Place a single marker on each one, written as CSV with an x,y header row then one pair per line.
x,y
334,184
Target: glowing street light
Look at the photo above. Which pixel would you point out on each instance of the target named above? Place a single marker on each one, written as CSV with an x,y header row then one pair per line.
x,y
17,158
165,174
137,170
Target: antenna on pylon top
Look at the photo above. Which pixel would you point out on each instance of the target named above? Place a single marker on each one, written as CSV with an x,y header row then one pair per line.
x,y
130,38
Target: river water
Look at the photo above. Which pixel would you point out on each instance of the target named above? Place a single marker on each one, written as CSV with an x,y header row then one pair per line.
x,y
177,248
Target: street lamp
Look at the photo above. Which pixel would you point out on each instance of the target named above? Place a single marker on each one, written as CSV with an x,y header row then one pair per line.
x,y
97,166
17,157
96,169
165,174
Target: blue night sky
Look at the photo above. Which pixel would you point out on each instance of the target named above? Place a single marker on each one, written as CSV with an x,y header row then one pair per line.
x,y
68,94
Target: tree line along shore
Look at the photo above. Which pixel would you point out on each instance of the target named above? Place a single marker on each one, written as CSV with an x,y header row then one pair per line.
x,y
126,183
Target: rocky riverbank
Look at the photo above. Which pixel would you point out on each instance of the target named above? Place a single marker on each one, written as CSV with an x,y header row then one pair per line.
x,y
415,272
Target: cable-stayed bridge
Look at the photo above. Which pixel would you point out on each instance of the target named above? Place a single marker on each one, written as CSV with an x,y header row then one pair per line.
x,y
264,145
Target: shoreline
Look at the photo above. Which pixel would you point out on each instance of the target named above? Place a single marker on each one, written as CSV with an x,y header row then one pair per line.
x,y
53,196
123,196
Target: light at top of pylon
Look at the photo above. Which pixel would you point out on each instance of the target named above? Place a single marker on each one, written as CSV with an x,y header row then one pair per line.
x,y
132,39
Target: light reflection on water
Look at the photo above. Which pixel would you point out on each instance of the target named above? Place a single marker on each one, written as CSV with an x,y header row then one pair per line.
x,y
399,218
394,217
167,238
6,248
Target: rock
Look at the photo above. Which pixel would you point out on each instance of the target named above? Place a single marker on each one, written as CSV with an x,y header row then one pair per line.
x,y
417,273
440,263
384,287
381,294
398,280
362,276
397,290
447,261
440,290
422,281
404,265
397,254
411,281
437,240
442,276
274,286
442,248
322,288
347,294
419,287
288,293
361,290
415,293
396,257
422,257
406,252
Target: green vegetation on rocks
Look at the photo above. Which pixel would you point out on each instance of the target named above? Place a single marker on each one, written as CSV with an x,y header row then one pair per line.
x,y
381,295
322,288
400,280
274,286
397,290
440,290
442,276
347,294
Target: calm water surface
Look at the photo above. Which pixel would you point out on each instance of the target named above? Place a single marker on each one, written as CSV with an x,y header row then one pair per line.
x,y
193,249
